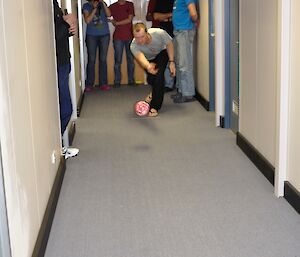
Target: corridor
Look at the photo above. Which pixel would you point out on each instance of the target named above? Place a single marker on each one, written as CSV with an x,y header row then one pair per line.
x,y
170,186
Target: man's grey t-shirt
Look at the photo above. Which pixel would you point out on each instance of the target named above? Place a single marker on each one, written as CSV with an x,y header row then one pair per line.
x,y
159,40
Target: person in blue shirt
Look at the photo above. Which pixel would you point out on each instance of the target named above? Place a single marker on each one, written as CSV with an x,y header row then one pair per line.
x,y
185,22
95,14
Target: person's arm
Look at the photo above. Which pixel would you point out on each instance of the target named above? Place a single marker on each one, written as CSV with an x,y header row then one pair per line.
x,y
123,22
89,15
71,19
170,51
193,12
106,9
162,16
150,10
61,27
148,66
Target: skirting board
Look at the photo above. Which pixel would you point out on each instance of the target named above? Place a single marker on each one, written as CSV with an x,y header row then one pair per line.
x,y
292,195
43,236
79,105
202,101
259,161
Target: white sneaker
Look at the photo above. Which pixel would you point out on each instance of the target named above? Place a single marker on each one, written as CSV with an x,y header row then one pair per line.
x,y
69,152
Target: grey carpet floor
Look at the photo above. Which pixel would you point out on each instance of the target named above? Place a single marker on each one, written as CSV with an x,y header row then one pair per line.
x,y
170,186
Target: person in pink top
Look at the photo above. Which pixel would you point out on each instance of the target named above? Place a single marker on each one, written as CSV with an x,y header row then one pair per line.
x,y
122,13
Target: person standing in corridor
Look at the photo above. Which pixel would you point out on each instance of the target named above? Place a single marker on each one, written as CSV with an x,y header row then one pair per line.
x,y
65,26
122,13
95,13
185,21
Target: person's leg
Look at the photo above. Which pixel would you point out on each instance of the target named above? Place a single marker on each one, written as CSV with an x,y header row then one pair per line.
x,y
158,81
130,63
184,45
103,49
65,103
118,47
177,85
169,79
91,44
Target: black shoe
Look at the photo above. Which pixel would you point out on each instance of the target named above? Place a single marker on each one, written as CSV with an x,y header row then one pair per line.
x,y
177,95
184,99
117,85
132,84
168,89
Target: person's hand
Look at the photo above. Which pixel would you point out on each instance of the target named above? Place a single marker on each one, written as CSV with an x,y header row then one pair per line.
x,y
72,21
172,68
114,22
151,68
95,4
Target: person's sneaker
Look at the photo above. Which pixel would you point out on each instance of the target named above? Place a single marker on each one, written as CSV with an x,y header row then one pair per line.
x,y
132,84
177,95
168,89
105,87
88,89
69,152
184,99
117,85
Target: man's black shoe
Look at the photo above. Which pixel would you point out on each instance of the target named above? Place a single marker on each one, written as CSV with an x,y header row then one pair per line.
x,y
177,95
184,99
168,89
117,85
132,84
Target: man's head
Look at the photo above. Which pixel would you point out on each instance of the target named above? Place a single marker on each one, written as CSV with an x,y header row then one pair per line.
x,y
140,33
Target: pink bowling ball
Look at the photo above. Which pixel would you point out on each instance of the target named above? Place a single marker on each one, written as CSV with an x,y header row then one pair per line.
x,y
141,108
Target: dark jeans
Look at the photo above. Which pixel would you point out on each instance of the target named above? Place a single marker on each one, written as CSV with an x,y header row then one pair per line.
x,y
119,45
158,81
92,43
65,102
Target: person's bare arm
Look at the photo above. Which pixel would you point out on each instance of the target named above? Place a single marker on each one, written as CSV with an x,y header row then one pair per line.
x,y
123,22
148,66
162,16
193,12
170,51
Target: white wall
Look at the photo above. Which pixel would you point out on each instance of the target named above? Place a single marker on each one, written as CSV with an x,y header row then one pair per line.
x,y
203,51
258,75
293,175
29,120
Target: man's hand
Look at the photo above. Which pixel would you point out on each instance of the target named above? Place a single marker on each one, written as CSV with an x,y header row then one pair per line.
x,y
151,68
172,68
72,21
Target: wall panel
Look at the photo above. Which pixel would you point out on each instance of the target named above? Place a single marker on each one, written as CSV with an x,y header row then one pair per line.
x,y
258,74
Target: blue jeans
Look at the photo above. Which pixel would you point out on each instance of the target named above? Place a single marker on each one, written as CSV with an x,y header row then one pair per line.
x,y
119,45
184,61
92,43
65,102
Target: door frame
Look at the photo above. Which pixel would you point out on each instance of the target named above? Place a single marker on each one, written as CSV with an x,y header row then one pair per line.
x,y
284,36
211,36
5,248
219,62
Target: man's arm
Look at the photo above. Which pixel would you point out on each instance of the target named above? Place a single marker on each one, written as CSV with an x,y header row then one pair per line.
x,y
150,9
162,16
148,66
170,51
123,22
193,12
